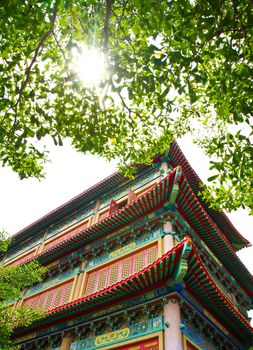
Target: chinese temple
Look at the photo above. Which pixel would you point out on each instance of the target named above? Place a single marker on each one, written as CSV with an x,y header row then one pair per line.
x,y
136,264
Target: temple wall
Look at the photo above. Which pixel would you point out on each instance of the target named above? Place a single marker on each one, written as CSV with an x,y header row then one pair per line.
x,y
151,320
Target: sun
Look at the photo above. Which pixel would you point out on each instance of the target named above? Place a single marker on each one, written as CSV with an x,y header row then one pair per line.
x,y
90,65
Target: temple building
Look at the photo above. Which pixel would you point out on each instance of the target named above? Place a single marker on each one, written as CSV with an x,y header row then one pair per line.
x,y
136,264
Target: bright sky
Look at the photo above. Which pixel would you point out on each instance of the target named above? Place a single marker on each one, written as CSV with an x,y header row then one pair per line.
x,y
70,173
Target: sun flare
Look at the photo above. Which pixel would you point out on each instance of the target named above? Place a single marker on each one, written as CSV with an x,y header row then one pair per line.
x,y
90,65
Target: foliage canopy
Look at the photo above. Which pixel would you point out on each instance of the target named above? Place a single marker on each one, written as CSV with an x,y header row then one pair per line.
x,y
13,280
173,67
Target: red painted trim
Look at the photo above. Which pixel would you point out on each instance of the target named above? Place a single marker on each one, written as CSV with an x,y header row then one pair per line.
x,y
122,286
114,177
115,216
95,307
136,289
176,249
55,211
220,292
187,199
178,158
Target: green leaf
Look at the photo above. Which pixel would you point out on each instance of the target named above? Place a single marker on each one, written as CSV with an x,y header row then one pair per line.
x,y
199,83
212,178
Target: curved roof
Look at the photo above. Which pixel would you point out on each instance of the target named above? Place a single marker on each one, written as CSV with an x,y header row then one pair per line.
x,y
177,157
196,278
150,201
188,206
70,206
197,217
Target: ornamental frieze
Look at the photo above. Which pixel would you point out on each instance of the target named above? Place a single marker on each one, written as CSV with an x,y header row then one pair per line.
x,y
116,336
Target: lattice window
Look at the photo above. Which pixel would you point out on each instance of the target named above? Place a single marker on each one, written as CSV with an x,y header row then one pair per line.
x,y
33,302
65,235
41,301
67,292
51,298
57,298
119,270
126,268
102,279
22,259
151,255
30,302
90,283
114,274
48,302
139,261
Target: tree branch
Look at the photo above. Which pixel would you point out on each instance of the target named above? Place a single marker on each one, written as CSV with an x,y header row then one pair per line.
x,y
123,31
36,52
80,21
106,24
62,52
130,111
122,14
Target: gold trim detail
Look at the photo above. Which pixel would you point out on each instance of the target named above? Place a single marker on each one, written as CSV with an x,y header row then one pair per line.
x,y
112,336
151,336
186,339
217,323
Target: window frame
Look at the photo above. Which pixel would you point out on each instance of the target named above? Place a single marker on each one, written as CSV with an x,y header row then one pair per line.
x,y
187,339
109,263
28,254
138,192
56,287
65,232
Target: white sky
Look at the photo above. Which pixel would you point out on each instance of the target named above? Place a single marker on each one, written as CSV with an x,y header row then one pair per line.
x,y
70,173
